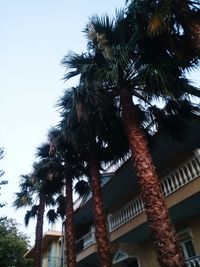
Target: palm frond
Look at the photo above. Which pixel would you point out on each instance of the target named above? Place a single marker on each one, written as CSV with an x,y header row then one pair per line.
x,y
30,214
52,216
61,205
82,188
156,24
77,64
99,32
43,151
22,199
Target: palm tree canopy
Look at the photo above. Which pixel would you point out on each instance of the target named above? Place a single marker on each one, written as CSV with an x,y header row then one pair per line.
x,y
48,175
86,124
170,21
65,152
121,52
118,59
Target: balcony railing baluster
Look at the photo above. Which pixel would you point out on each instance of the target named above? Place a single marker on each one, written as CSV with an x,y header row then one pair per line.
x,y
193,262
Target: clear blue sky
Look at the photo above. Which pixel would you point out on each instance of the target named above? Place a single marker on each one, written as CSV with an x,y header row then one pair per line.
x,y
35,35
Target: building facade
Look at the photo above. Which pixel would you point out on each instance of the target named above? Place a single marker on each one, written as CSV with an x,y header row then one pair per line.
x,y
51,249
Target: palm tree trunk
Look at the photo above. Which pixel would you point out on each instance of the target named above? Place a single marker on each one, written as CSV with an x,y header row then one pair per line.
x,y
165,241
69,222
101,233
39,232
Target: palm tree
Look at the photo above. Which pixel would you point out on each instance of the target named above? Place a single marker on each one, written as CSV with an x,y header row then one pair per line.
x,y
37,190
73,169
48,181
25,198
121,64
82,126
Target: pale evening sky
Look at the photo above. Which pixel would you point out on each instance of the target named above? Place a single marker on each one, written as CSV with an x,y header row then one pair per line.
x,y
35,36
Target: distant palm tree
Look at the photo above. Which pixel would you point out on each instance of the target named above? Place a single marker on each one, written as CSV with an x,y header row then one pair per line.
x,y
37,190
48,180
26,198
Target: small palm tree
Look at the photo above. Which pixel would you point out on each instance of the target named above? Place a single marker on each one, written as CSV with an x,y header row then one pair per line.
x,y
37,190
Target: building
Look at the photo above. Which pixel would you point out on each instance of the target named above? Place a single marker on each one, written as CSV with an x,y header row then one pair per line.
x,y
51,249
178,166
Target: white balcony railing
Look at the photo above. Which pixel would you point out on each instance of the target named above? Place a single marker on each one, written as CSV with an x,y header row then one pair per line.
x,y
193,262
129,211
86,240
182,175
169,184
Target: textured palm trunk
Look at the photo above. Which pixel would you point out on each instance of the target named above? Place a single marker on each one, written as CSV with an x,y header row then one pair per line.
x,y
101,232
69,223
163,233
190,22
39,232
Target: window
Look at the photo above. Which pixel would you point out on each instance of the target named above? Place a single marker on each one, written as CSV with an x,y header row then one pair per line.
x,y
185,238
188,248
49,255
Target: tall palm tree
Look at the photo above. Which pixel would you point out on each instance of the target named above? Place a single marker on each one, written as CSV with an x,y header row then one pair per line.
x,y
73,170
82,126
118,62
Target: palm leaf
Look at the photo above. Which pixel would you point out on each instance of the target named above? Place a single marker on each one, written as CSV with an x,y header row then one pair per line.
x,y
52,216
82,188
43,151
30,214
23,199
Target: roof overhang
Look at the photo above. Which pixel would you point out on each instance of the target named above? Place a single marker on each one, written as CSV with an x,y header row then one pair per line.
x,y
48,237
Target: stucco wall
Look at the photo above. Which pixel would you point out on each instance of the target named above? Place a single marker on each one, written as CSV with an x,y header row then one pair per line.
x,y
51,257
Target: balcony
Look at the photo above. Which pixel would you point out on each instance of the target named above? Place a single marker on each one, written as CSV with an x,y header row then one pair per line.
x,y
178,178
193,262
86,240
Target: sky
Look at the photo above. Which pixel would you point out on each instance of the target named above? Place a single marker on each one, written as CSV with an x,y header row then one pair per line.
x,y
35,36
